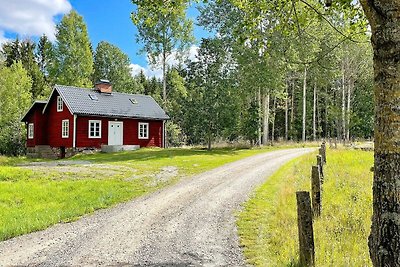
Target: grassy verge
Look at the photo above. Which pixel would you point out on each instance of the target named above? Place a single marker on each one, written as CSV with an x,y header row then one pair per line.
x,y
268,223
33,198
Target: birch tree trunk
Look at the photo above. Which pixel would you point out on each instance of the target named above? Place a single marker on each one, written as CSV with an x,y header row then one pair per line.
x,y
266,119
292,111
384,240
286,113
327,131
164,73
343,133
348,112
259,117
273,121
304,104
315,112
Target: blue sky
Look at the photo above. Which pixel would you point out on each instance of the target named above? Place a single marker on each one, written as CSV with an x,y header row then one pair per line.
x,y
106,20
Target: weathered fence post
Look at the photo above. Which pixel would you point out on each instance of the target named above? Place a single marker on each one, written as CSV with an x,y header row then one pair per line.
x,y
321,169
306,232
316,191
323,146
321,152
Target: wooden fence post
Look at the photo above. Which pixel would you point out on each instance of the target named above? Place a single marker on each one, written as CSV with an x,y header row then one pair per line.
x,y
306,232
323,146
316,191
320,152
321,169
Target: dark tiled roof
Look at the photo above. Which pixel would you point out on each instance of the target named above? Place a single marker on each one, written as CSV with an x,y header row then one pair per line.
x,y
37,102
90,102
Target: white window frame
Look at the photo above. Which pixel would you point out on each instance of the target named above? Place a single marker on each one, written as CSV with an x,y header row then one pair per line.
x,y
65,129
144,124
60,104
89,133
30,130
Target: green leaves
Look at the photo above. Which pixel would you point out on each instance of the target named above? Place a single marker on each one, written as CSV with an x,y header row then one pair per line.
x,y
73,60
112,64
15,98
162,26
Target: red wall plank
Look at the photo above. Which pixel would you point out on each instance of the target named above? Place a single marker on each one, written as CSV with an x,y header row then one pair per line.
x,y
54,118
47,129
130,134
36,117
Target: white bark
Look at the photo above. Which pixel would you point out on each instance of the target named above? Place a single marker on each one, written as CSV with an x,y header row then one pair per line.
x,y
259,117
266,119
292,111
315,112
343,106
273,121
304,104
349,89
286,112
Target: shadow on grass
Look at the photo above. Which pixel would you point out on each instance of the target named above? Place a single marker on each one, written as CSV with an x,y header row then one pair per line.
x,y
153,153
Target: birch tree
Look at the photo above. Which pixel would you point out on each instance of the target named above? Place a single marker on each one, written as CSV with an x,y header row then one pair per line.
x,y
163,29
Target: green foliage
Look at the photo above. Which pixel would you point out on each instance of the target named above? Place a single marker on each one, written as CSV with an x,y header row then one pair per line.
x,y
162,26
250,122
73,60
268,223
15,98
212,106
24,52
112,64
176,137
44,54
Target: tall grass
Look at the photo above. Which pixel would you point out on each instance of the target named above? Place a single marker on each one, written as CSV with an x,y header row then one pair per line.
x,y
268,222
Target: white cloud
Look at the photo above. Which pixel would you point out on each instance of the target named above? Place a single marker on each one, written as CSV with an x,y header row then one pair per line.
x,y
31,17
148,71
172,60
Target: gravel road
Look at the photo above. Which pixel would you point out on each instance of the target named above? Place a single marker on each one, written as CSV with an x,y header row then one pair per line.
x,y
189,224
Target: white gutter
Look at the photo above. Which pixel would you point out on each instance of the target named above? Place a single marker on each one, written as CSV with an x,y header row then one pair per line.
x,y
74,134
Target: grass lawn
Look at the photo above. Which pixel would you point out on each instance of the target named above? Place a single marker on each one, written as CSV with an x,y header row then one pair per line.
x,y
33,198
268,222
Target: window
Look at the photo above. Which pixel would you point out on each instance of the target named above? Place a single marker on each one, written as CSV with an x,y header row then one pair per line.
x,y
30,131
93,97
59,104
143,130
65,129
94,129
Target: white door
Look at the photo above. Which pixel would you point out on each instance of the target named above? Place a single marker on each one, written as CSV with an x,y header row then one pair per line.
x,y
115,133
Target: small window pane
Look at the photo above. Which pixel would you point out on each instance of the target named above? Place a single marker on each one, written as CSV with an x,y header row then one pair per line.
x,y
65,129
59,103
94,129
30,130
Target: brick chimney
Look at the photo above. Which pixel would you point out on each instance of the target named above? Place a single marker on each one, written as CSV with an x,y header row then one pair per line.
x,y
104,86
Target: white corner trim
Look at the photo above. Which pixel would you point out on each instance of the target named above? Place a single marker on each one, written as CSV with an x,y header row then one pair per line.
x,y
74,133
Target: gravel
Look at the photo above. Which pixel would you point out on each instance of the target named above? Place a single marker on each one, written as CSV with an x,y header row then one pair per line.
x,y
189,224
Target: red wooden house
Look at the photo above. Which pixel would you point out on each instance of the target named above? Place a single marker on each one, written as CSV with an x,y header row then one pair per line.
x,y
75,119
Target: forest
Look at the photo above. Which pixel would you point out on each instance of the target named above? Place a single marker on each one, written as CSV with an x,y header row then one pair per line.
x,y
261,78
